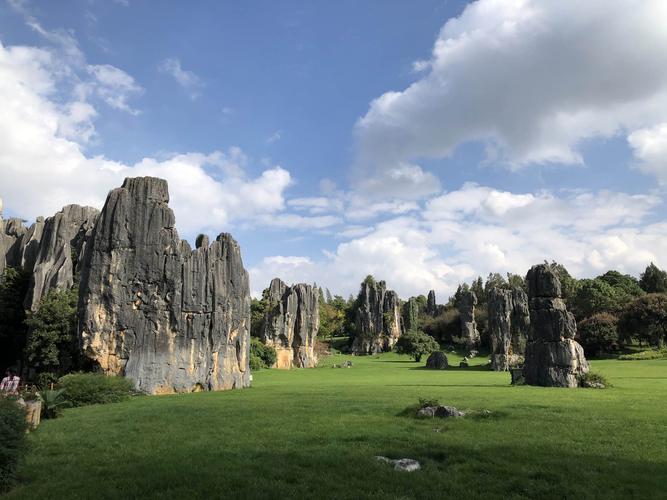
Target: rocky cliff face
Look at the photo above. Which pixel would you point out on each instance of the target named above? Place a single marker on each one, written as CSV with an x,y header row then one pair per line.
x,y
553,357
152,309
466,302
509,320
291,324
62,241
378,319
431,306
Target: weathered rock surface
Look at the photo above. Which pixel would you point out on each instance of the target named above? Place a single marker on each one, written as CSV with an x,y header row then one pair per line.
x,y
291,324
553,357
509,321
437,361
378,324
411,314
466,302
440,411
62,240
170,318
401,464
431,306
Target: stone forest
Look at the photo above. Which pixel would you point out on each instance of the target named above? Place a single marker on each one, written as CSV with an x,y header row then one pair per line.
x,y
112,306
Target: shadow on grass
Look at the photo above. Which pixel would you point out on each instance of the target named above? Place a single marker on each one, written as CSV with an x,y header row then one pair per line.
x,y
475,368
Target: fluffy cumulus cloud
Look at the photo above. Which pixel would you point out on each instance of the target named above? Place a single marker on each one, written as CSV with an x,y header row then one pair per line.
x,y
48,117
532,79
650,148
476,230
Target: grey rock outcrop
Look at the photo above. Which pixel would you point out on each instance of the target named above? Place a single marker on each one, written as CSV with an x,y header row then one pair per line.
x,y
378,323
152,309
553,357
291,324
437,361
509,321
466,302
62,241
431,306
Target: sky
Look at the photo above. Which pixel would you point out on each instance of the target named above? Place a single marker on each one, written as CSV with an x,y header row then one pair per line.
x,y
425,143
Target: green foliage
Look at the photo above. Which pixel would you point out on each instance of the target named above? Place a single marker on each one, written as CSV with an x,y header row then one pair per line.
x,y
594,296
424,402
517,281
52,339
598,333
258,309
568,284
645,355
14,284
416,343
645,319
95,388
653,279
53,402
410,314
332,318
493,280
445,326
593,378
13,428
261,356
623,283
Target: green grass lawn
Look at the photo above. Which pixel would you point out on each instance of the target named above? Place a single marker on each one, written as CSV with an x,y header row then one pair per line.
x,y
315,433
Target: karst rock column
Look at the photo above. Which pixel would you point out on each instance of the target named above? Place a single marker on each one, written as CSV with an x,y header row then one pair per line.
x,y
467,300
291,324
431,306
509,320
378,324
170,318
553,357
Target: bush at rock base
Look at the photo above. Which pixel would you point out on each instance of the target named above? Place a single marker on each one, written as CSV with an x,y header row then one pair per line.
x,y
83,389
261,356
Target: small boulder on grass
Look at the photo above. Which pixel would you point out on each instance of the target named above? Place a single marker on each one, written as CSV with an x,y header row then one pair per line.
x,y
401,464
437,361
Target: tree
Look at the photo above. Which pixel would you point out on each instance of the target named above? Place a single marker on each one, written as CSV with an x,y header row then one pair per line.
x,y
332,318
653,279
628,285
477,286
645,319
52,346
416,343
594,296
598,333
516,281
493,280
14,284
568,284
258,309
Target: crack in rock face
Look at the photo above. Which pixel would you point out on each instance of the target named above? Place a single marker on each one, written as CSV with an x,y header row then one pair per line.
x,y
170,318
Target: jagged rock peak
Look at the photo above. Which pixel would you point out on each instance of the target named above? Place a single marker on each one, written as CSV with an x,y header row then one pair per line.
x,y
509,320
378,323
553,357
202,241
151,309
291,324
465,303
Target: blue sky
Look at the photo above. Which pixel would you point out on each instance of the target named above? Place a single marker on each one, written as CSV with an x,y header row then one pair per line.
x,y
336,139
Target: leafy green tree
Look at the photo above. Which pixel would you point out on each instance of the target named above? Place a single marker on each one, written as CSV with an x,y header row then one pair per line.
x,y
568,284
332,318
52,345
516,281
598,333
416,343
493,280
645,319
14,284
594,296
653,279
261,356
477,286
411,314
258,309
628,285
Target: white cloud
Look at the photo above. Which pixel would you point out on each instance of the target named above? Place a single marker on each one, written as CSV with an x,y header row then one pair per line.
x,y
650,147
477,230
186,79
276,136
43,165
530,78
113,86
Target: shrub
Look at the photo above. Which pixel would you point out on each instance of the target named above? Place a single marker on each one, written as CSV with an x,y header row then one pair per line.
x,y
13,426
53,402
644,355
424,402
261,356
416,343
593,378
598,333
93,388
645,319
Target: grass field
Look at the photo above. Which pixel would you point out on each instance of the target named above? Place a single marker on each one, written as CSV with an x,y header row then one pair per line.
x,y
314,434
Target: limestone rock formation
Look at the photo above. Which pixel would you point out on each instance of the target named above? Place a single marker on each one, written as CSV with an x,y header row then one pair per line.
x,y
152,309
378,324
291,324
466,302
553,357
411,314
431,306
61,244
437,361
509,320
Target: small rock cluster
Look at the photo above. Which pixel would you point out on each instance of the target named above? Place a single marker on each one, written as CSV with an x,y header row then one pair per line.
x,y
439,411
401,464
